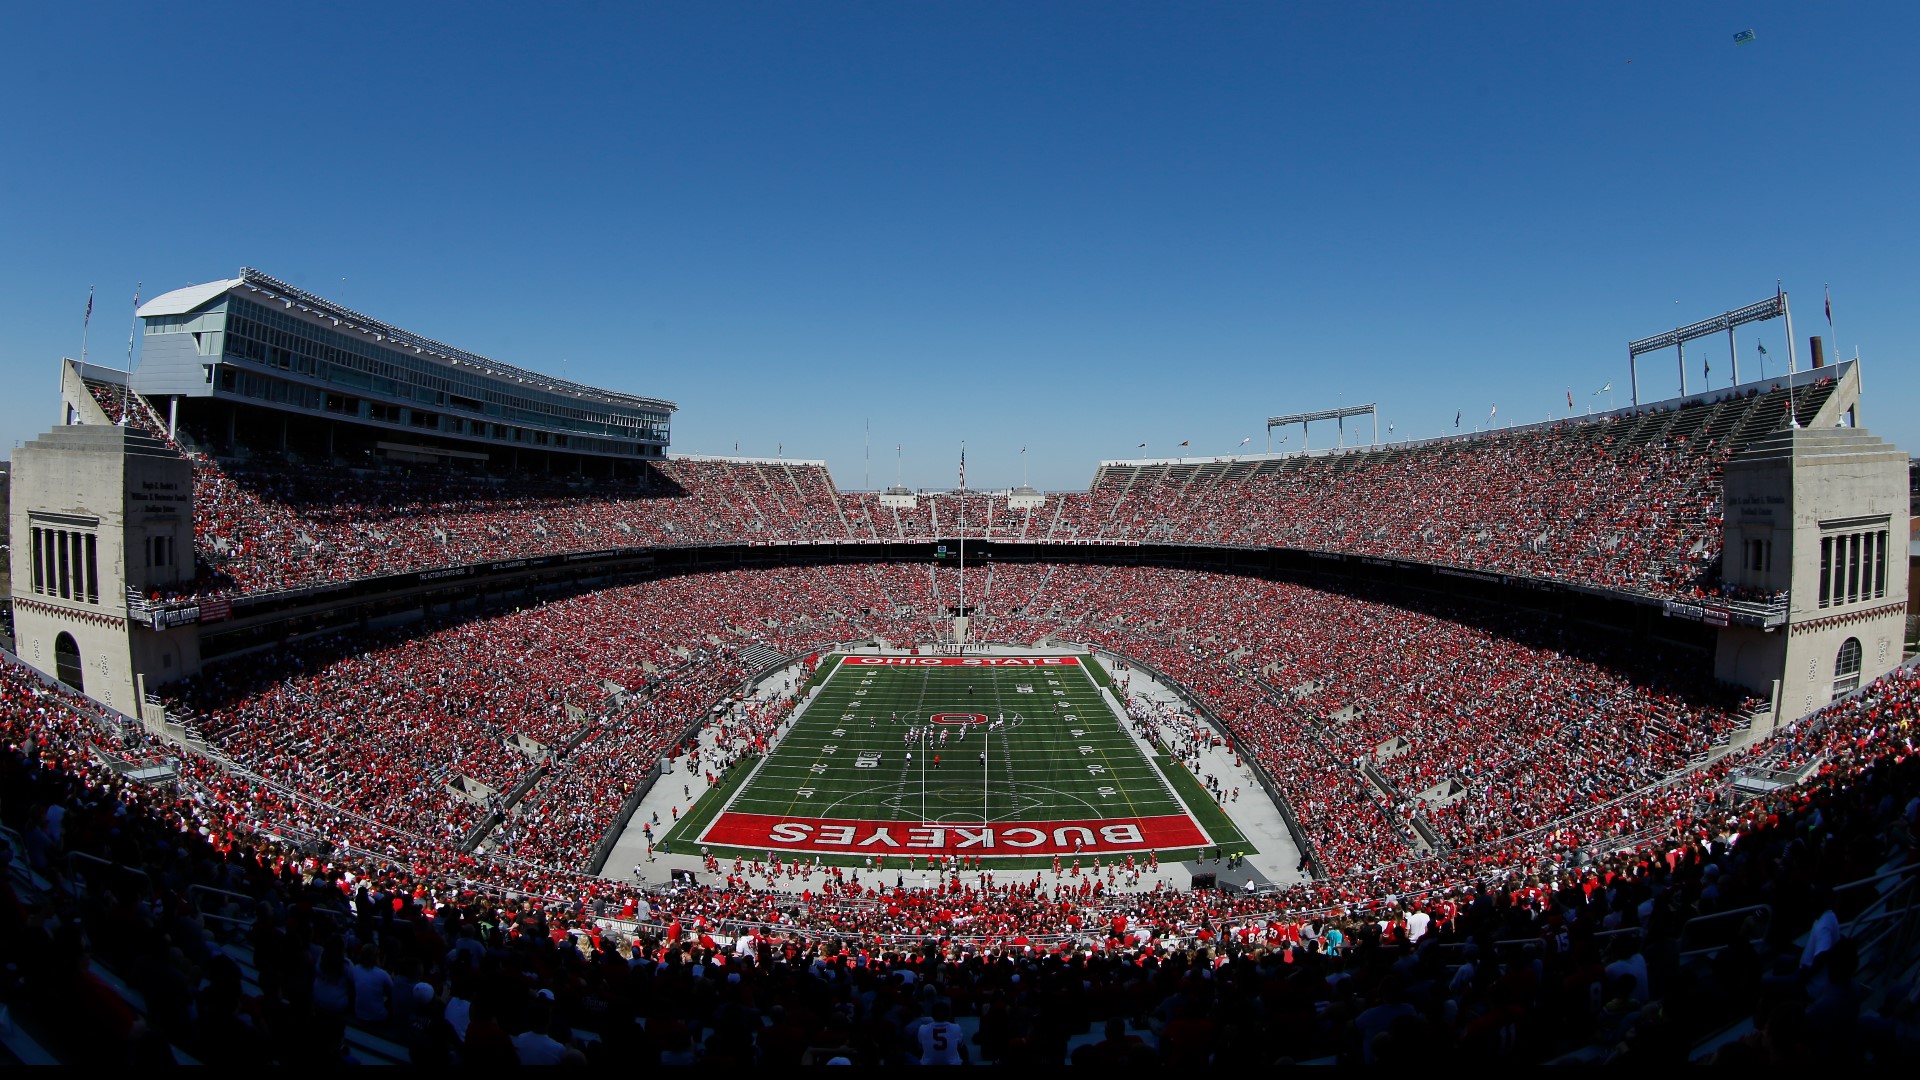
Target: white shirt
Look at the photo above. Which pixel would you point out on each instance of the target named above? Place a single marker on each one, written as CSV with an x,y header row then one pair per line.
x,y
372,988
940,1043
458,1015
536,1048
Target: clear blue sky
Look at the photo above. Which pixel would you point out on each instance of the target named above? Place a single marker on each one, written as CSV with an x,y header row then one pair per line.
x,y
1074,227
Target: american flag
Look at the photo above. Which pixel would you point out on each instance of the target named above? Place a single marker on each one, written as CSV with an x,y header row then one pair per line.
x,y
963,466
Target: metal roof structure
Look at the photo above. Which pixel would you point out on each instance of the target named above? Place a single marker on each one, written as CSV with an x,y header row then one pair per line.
x,y
182,301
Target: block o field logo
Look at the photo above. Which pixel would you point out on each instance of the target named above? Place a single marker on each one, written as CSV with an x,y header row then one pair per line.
x,y
961,718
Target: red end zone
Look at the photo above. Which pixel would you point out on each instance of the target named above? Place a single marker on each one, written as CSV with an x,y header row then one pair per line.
x,y
1100,836
960,661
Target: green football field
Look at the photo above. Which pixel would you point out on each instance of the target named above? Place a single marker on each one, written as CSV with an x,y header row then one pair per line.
x,y
1002,758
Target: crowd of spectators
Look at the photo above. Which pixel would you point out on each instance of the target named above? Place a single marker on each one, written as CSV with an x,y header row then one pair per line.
x,y
945,514
428,729
1461,776
273,525
1630,503
123,407
1603,958
1393,727
1477,723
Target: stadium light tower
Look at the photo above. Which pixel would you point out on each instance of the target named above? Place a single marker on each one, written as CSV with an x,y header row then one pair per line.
x,y
1338,416
1772,307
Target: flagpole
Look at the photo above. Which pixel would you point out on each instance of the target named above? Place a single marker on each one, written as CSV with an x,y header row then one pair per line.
x,y
1793,360
133,327
1786,309
86,321
1831,331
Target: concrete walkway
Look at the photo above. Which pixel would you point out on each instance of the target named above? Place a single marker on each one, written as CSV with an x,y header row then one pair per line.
x,y
1252,813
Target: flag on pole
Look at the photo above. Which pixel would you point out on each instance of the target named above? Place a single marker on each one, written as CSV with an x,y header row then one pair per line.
x,y
1569,399
1605,389
1249,439
1829,289
1143,446
133,328
963,466
1493,412
1456,418
88,317
1762,346
1186,442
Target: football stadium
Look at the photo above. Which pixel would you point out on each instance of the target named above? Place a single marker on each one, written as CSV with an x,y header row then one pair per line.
x,y
757,534
329,634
